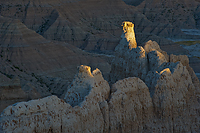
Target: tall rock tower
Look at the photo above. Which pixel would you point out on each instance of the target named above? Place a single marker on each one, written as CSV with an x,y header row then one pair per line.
x,y
130,60
128,40
129,34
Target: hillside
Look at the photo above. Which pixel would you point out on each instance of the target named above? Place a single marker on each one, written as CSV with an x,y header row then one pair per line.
x,y
42,42
183,14
44,66
93,25
147,91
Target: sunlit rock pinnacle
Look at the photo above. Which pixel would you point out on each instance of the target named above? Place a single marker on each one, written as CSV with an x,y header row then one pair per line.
x,y
129,34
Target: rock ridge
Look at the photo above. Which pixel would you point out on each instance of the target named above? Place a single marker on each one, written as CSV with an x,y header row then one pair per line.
x,y
150,91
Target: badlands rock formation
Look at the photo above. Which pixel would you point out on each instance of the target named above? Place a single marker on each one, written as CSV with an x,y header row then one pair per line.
x,y
129,34
10,92
183,14
95,25
173,86
161,94
84,83
43,67
129,107
121,66
51,114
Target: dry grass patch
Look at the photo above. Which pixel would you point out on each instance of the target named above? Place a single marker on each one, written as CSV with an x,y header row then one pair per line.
x,y
188,43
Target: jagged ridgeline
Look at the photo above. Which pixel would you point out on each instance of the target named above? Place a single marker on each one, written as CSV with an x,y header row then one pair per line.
x,y
150,91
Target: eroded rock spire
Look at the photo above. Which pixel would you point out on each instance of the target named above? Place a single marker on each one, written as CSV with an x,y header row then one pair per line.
x,y
129,34
128,41
155,94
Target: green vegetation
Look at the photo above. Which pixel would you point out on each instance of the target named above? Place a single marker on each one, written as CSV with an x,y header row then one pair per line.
x,y
188,43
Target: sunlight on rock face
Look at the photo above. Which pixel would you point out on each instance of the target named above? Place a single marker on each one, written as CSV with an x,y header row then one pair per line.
x,y
149,91
84,83
129,34
166,70
85,71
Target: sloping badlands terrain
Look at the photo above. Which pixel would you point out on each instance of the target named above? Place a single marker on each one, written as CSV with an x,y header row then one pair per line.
x,y
139,86
147,91
41,66
94,25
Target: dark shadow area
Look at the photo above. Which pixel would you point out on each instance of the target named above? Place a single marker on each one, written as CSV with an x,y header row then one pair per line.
x,y
133,2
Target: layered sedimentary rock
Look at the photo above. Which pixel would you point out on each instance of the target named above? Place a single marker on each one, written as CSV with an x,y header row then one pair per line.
x,y
173,86
130,60
129,35
10,92
89,82
185,61
130,106
154,92
168,102
152,45
95,25
52,114
174,97
39,63
182,14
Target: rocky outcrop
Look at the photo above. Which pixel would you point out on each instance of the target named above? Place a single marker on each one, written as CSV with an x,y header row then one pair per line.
x,y
39,63
136,62
174,95
173,86
133,63
185,61
130,106
34,115
154,92
165,102
153,45
52,114
73,22
130,60
128,39
84,83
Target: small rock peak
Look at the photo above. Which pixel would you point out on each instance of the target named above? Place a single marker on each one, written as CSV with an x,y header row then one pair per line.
x,y
84,71
84,85
96,72
129,34
128,26
151,45
97,75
